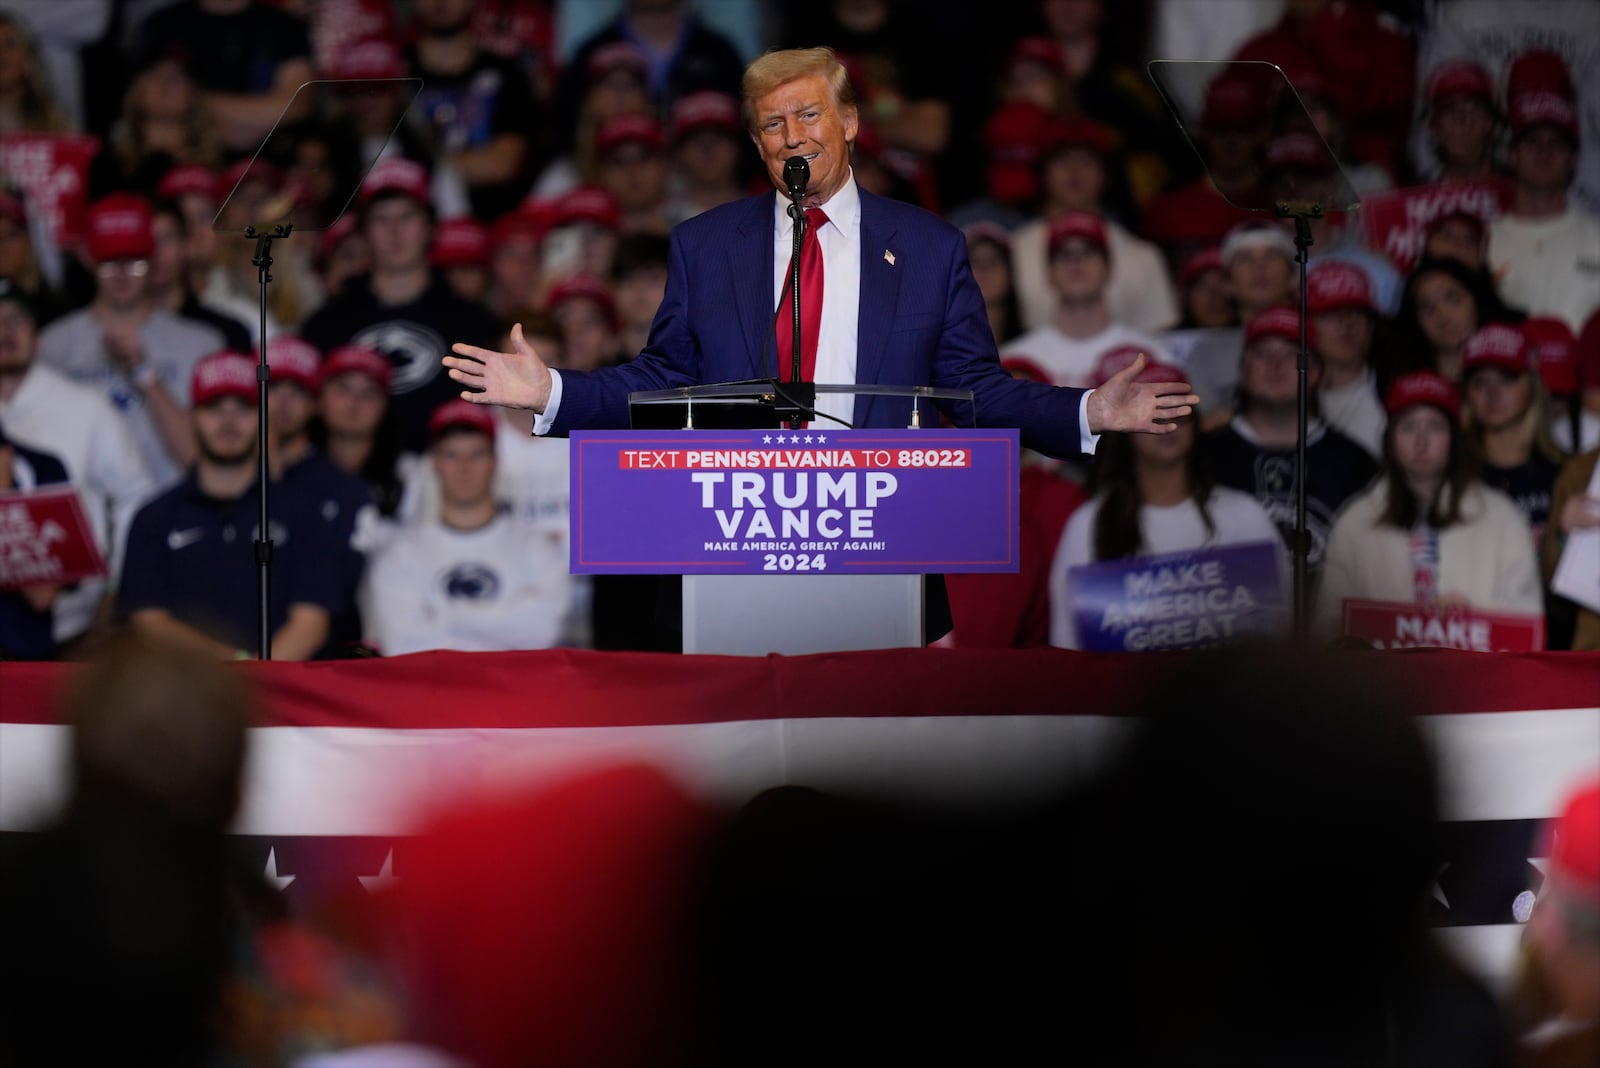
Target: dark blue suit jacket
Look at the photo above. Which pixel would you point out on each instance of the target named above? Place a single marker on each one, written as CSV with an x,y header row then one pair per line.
x,y
922,322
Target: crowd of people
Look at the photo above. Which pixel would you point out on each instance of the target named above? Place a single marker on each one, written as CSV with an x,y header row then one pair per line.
x,y
460,173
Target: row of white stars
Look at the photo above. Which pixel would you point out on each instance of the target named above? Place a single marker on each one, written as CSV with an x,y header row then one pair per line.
x,y
794,439
373,883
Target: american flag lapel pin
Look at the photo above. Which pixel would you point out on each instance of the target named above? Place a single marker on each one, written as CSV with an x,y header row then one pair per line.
x,y
888,257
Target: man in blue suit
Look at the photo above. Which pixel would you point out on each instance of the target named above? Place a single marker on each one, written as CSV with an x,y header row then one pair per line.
x,y
900,306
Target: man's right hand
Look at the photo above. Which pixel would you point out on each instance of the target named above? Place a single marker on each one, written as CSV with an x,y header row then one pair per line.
x,y
516,379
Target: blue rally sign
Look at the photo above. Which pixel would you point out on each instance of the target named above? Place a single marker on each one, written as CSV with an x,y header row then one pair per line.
x,y
1187,600
729,502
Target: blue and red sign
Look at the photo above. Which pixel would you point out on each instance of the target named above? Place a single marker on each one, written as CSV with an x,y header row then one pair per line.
x,y
730,502
1187,600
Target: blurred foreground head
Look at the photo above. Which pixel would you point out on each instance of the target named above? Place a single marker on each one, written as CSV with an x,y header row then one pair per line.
x,y
115,920
551,925
159,732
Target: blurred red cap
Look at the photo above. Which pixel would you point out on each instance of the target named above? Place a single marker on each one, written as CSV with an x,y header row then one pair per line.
x,y
552,925
357,359
396,176
1077,132
1423,387
1045,51
1116,360
618,55
1233,102
1015,134
1335,285
222,374
1207,259
1080,224
1274,322
118,228
1495,345
457,412
188,179
1460,77
591,205
1573,845
462,242
1300,150
707,109
1552,349
371,57
629,129
294,359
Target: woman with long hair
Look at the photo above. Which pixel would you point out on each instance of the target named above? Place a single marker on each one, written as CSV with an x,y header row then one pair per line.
x,y
989,250
27,102
164,124
1151,496
1429,532
1443,304
1506,418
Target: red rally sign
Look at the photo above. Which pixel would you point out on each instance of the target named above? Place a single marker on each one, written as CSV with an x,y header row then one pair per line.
x,y
1389,625
52,170
44,538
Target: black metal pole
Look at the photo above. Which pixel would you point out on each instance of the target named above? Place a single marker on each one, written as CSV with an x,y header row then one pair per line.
x,y
263,543
1302,540
797,213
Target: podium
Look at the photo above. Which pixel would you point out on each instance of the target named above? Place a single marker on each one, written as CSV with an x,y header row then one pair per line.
x,y
794,540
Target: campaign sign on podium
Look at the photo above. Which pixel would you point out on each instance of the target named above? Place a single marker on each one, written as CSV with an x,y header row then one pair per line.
x,y
44,538
818,501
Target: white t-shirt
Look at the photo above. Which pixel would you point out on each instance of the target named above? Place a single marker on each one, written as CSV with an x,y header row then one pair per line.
x,y
1356,412
77,424
1549,266
502,586
1139,291
1072,361
1237,517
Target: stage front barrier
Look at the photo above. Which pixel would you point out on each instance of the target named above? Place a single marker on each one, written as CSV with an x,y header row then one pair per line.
x,y
794,537
349,752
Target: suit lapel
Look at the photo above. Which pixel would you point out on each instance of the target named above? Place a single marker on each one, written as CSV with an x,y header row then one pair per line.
x,y
750,269
880,289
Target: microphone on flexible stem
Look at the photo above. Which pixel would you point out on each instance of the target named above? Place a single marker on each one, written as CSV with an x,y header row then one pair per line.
x,y
796,175
799,396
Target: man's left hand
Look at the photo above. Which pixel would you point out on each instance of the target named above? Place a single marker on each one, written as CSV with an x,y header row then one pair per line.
x,y
1133,407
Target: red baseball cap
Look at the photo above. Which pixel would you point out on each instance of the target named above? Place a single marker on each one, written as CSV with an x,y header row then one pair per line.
x,y
1078,224
259,170
1233,102
1552,349
629,129
1045,51
591,205
1300,150
1207,259
1495,345
1274,322
1020,366
1543,107
618,55
1014,135
189,179
462,242
223,374
371,57
1573,843
396,176
707,109
118,228
460,414
1539,69
1115,361
1424,387
357,359
986,230
1335,285
583,287
294,359
1077,132
1460,77
342,227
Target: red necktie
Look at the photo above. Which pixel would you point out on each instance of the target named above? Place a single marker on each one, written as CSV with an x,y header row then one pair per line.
x,y
810,303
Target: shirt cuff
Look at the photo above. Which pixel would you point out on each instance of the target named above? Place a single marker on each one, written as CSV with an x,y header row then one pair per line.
x,y
547,418
1086,440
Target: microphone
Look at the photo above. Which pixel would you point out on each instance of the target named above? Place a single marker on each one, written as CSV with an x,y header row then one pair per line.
x,y
796,175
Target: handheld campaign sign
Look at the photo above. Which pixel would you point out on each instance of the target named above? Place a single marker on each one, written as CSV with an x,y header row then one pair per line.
x,y
44,537
1187,600
1393,625
855,502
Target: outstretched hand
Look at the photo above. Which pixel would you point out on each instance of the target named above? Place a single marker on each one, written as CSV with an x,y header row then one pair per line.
x,y
1125,404
516,379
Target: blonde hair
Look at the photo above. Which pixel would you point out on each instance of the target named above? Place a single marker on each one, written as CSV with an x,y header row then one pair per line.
x,y
1535,422
779,67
